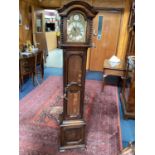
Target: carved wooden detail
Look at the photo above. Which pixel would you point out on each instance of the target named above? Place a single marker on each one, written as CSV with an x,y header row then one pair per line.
x,y
72,124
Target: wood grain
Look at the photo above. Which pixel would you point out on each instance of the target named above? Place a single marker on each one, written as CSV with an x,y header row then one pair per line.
x,y
108,3
124,31
41,39
24,34
107,46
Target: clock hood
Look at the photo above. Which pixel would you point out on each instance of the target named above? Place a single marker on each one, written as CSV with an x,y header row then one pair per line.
x,y
77,5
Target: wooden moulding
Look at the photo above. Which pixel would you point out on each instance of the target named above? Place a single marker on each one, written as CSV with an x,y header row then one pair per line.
x,y
62,149
77,5
127,115
72,134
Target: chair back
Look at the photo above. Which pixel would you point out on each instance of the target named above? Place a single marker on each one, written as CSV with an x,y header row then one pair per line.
x,y
39,58
40,63
27,65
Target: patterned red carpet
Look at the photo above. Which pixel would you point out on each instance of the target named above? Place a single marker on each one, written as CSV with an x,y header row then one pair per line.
x,y
39,126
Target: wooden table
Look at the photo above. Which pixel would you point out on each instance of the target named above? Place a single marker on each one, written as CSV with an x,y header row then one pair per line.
x,y
28,61
23,55
109,70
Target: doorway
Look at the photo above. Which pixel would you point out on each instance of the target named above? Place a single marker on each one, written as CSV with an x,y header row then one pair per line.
x,y
46,31
105,37
52,25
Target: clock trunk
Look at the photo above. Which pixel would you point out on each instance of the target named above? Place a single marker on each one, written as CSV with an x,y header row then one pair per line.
x,y
72,132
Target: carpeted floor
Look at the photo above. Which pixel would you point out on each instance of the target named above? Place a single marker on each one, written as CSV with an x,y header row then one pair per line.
x,y
127,126
39,127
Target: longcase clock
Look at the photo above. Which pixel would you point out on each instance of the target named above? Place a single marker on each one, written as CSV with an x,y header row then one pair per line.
x,y
76,38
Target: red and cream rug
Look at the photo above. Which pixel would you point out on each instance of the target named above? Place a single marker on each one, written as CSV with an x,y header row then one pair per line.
x,y
39,127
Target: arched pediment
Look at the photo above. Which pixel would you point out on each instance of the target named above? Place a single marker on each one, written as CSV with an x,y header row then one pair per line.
x,y
77,5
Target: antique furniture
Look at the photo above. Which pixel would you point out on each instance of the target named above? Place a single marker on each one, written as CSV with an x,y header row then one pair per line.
x,y
110,70
39,63
41,43
76,33
128,90
30,64
26,67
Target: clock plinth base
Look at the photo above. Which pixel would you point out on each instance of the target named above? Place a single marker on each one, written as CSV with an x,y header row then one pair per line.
x,y
72,134
63,148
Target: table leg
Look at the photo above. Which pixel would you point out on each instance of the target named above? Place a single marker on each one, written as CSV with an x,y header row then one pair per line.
x,y
103,83
123,83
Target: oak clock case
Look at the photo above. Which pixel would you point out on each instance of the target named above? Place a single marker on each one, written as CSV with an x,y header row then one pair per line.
x,y
76,22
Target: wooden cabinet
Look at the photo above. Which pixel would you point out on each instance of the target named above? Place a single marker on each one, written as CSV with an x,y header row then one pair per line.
x,y
128,91
128,95
76,31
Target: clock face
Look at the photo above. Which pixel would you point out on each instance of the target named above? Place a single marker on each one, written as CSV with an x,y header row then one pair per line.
x,y
76,28
76,17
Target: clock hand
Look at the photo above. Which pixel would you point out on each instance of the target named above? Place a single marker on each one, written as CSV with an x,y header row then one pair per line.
x,y
74,28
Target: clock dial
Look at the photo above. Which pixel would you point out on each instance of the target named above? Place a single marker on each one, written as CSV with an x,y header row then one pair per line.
x,y
76,17
76,28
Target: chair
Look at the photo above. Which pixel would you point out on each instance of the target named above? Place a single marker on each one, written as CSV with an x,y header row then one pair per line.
x,y
39,64
27,67
42,43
